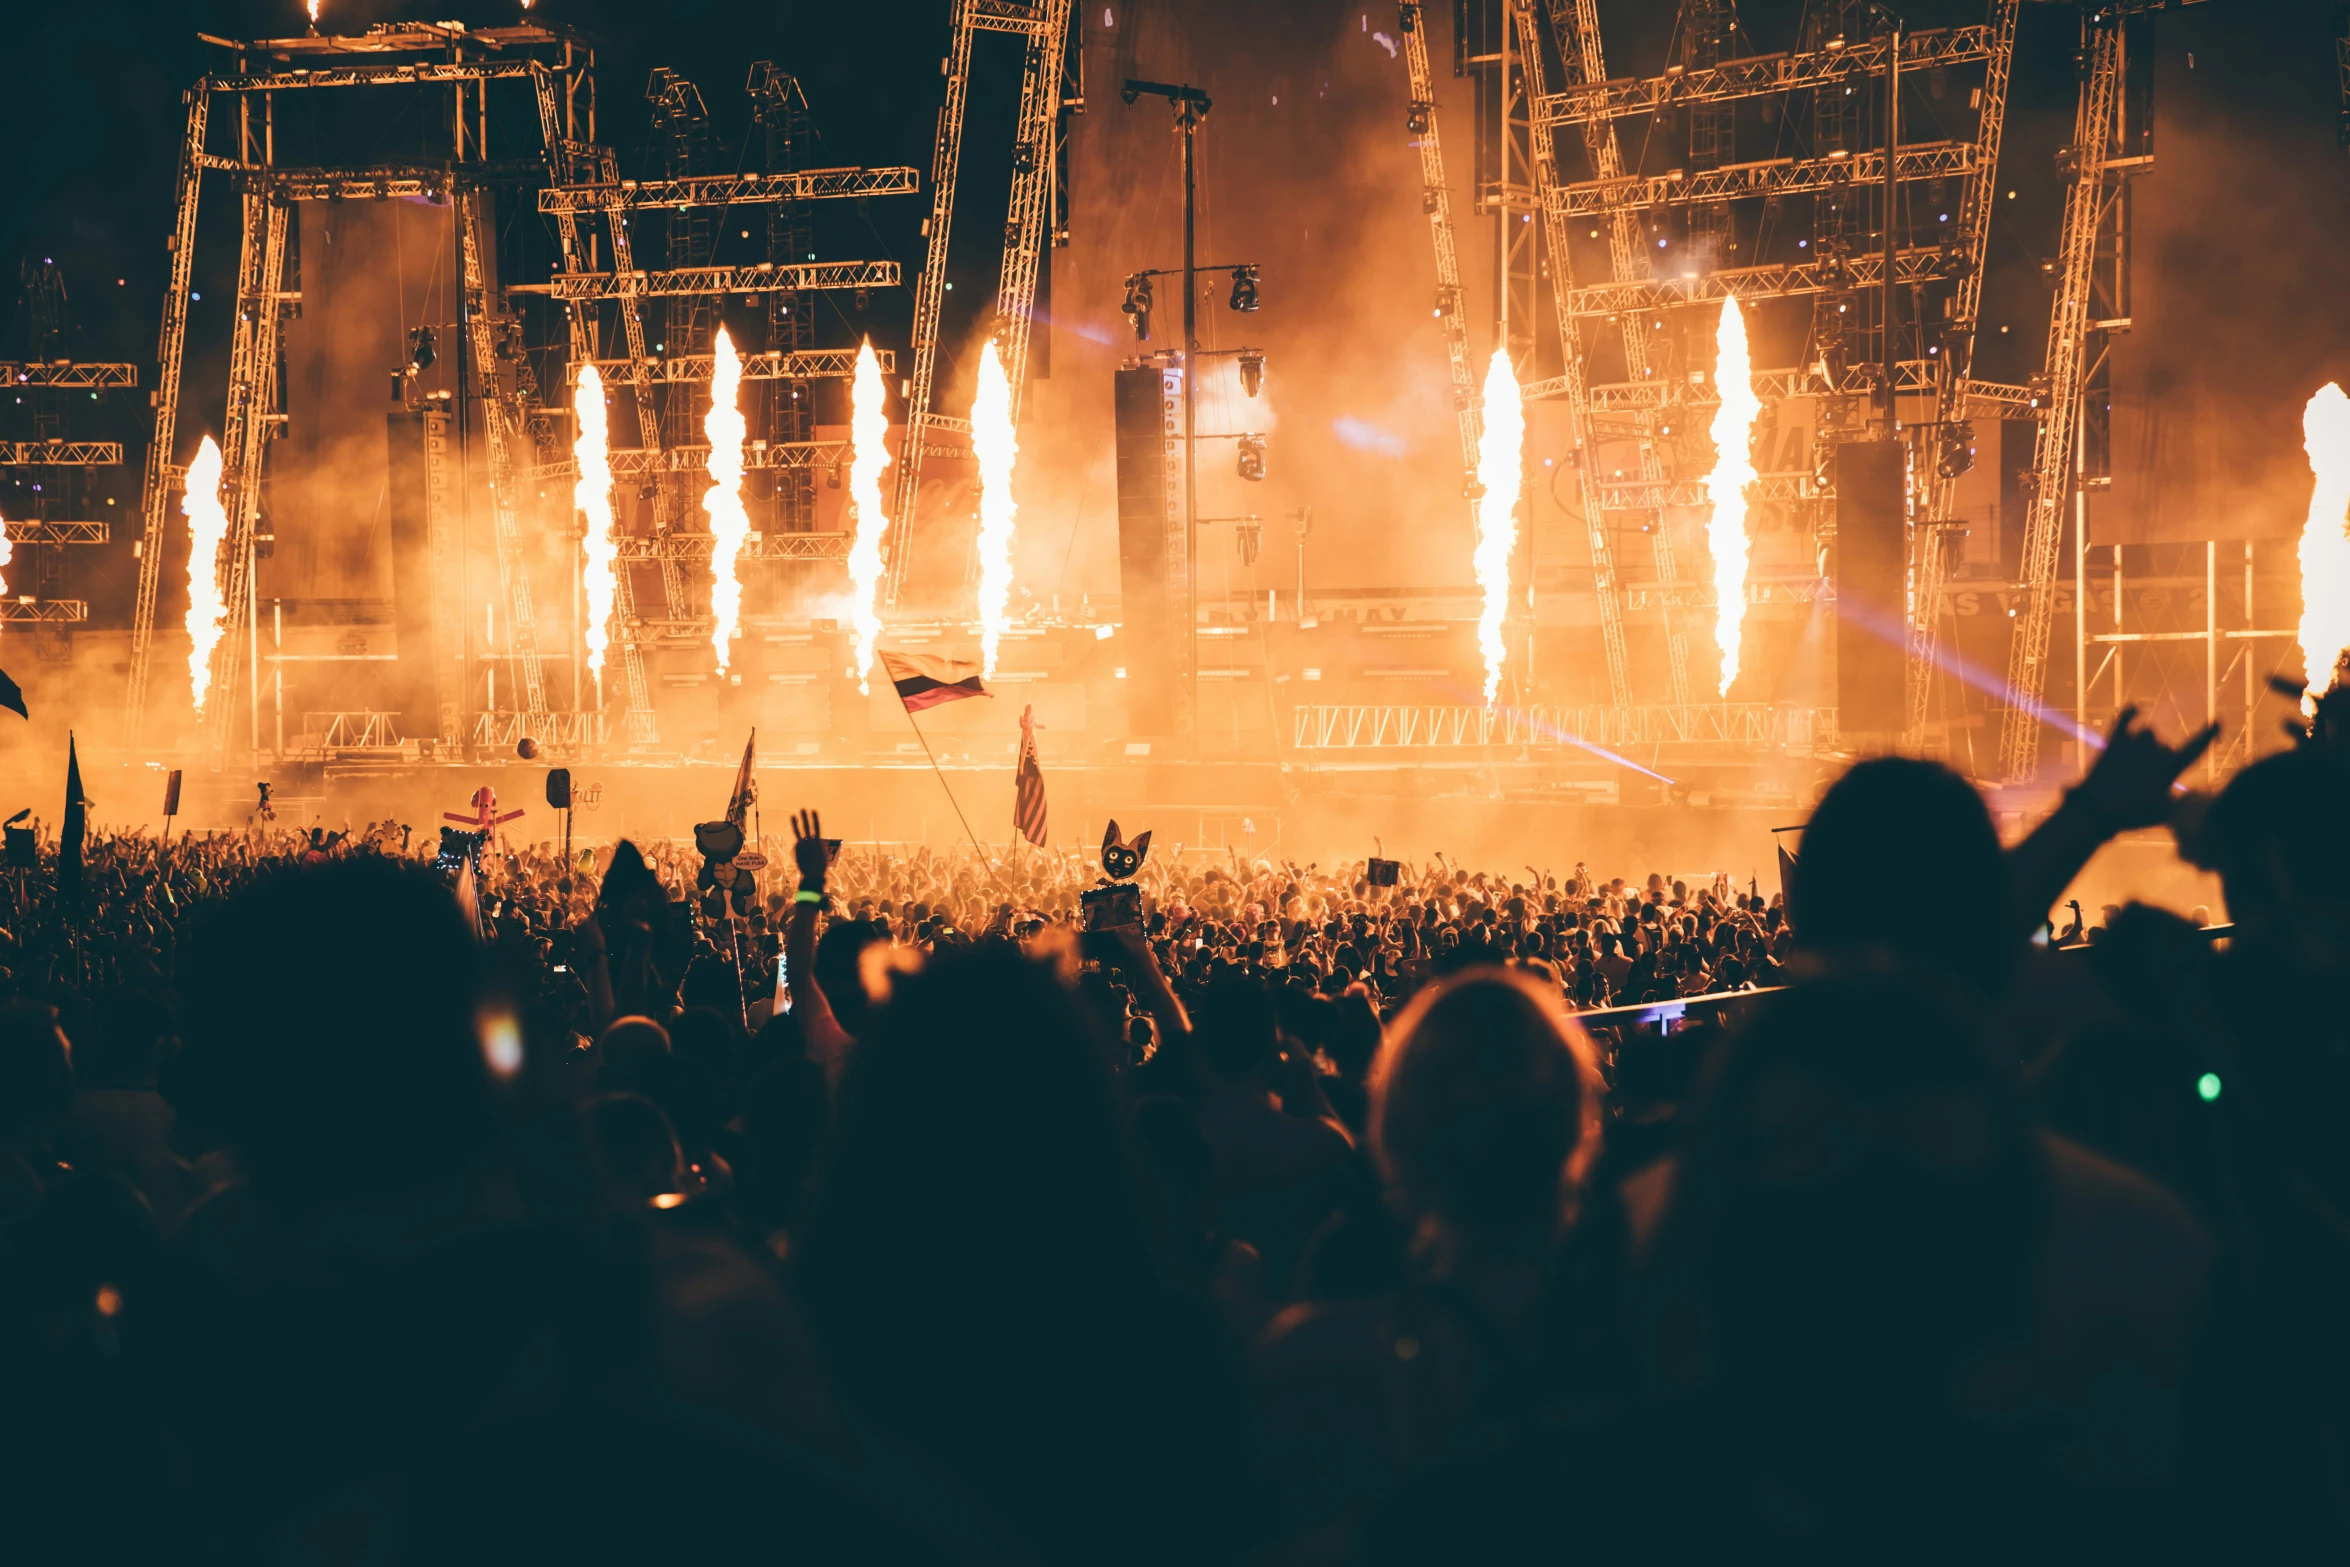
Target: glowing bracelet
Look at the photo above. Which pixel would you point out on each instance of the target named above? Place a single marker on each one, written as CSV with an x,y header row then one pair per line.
x,y
807,895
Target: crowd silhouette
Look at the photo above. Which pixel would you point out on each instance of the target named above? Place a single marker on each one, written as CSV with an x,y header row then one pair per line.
x,y
356,1211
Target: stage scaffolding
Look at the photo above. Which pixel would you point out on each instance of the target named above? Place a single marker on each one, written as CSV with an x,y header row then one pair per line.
x,y
1051,89
1837,86
578,184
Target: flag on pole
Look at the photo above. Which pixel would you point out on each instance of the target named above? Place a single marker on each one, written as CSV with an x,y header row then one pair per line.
x,y
1028,800
11,697
738,804
927,680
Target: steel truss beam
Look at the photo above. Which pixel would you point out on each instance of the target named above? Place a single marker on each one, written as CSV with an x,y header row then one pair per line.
x,y
808,364
45,612
155,497
422,73
1776,177
632,462
1610,300
688,281
1747,725
68,374
245,431
726,190
60,454
1605,580
1045,25
759,546
1758,76
1959,395
48,531
501,423
1436,201
2055,455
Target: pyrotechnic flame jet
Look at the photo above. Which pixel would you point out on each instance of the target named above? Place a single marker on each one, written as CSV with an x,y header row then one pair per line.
x,y
730,525
2325,547
1500,454
995,443
592,496
868,429
207,533
1733,431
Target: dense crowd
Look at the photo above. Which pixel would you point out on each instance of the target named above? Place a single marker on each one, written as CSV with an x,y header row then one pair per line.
x,y
888,1206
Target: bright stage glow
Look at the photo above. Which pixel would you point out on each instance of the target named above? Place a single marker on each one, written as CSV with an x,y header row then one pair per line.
x,y
1500,454
313,13
868,428
591,495
996,444
2325,547
730,525
7,553
1725,532
207,533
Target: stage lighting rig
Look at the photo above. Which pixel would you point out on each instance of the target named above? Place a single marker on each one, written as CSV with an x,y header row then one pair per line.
x,y
1252,458
1138,305
1252,371
420,348
1244,288
1416,118
1955,454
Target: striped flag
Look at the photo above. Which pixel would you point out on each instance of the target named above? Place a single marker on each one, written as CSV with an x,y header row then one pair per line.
x,y
1028,802
927,680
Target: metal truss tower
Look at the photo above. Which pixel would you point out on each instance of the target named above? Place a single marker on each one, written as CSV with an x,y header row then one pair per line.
x,y
1573,382
681,130
1029,225
1487,51
467,63
56,388
2090,199
1436,202
781,109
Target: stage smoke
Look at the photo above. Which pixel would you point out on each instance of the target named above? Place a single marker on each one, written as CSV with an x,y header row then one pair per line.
x,y
730,525
7,553
1733,433
592,496
207,534
868,428
996,445
1499,457
2325,548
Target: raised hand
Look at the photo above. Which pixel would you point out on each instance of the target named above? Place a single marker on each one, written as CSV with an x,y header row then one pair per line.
x,y
808,850
2130,783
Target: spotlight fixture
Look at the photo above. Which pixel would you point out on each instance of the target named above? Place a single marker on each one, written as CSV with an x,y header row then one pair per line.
x,y
1244,289
1957,453
1252,458
1138,305
1252,372
1407,17
1249,534
1416,119
420,347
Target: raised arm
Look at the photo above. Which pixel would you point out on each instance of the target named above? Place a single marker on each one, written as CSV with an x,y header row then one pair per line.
x,y
2129,786
828,1043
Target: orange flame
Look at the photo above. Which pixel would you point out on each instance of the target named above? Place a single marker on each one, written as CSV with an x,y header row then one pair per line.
x,y
868,429
1500,455
591,496
730,525
207,537
995,443
314,12
2325,547
1733,432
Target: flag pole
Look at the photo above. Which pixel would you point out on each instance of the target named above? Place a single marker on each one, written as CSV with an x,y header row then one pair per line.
x,y
950,794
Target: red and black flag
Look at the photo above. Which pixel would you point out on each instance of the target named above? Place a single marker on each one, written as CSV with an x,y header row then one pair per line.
x,y
1028,800
926,680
